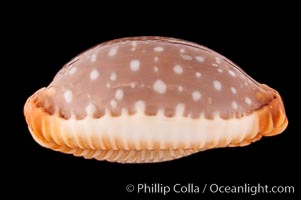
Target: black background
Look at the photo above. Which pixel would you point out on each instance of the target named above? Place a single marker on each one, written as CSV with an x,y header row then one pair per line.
x,y
261,41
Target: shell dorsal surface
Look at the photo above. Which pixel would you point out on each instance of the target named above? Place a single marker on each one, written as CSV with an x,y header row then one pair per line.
x,y
160,74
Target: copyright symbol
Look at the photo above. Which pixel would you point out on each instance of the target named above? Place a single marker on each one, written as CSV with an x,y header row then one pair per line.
x,y
130,188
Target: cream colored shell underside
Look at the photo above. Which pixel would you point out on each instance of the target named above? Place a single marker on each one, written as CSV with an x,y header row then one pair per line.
x,y
141,138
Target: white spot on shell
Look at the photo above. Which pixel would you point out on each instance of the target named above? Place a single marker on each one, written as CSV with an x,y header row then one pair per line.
x,y
108,85
156,59
113,76
91,109
220,70
156,69
180,88
113,51
198,74
113,103
159,86
248,101
93,57
218,61
140,106
134,45
234,105
134,65
133,85
217,85
119,94
182,50
180,109
68,96
94,74
186,57
72,70
178,69
232,73
233,90
196,95
200,58
214,65
158,49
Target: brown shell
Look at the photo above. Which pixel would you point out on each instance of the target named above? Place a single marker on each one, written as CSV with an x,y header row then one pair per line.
x,y
159,76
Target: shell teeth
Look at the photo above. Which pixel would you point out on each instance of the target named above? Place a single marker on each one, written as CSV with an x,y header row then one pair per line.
x,y
89,143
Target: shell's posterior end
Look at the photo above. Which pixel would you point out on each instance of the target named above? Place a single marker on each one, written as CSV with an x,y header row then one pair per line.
x,y
272,117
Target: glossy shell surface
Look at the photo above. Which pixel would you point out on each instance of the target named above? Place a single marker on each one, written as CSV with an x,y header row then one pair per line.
x,y
151,99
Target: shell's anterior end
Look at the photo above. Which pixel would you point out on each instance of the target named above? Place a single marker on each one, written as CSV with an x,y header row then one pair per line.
x,y
151,99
